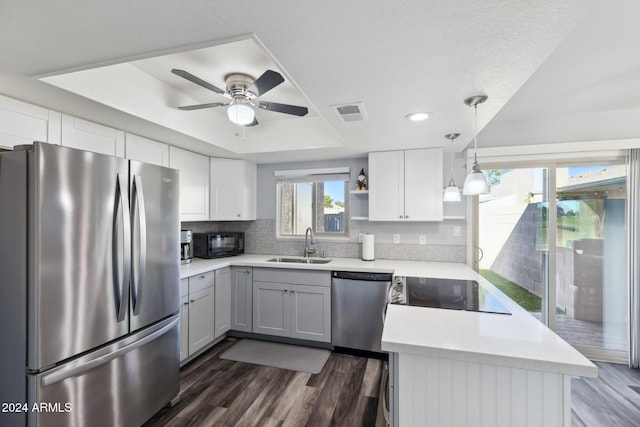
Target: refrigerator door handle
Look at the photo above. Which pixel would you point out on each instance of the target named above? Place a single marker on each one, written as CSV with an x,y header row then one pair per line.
x,y
74,371
121,203
138,275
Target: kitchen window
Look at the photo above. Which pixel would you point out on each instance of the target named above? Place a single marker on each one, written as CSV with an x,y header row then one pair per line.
x,y
315,198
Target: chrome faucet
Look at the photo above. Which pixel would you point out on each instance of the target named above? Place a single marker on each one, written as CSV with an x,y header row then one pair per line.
x,y
309,250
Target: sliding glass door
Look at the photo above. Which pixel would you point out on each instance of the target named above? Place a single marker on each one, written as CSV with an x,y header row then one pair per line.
x,y
553,239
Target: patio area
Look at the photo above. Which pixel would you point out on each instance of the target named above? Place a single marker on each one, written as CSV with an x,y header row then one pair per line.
x,y
585,334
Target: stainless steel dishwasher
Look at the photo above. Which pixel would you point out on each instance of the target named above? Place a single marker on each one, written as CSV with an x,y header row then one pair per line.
x,y
358,305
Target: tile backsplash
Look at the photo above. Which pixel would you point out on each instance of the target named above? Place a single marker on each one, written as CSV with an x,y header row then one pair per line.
x,y
260,238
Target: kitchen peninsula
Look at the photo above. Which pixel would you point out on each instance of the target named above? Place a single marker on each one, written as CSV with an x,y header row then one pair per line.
x,y
459,368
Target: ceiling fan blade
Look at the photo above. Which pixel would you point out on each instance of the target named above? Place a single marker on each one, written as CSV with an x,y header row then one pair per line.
x,y
283,108
253,123
200,82
267,81
201,106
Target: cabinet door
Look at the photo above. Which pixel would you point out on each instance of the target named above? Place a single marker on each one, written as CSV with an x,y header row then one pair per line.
x,y
241,298
271,308
386,186
84,135
227,189
223,301
146,150
194,183
423,185
184,328
184,319
201,318
23,123
233,194
311,312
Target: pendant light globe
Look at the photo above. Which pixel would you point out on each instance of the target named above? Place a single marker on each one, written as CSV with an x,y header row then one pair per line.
x,y
475,183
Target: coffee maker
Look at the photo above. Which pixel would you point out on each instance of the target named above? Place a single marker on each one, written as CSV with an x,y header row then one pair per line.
x,y
186,251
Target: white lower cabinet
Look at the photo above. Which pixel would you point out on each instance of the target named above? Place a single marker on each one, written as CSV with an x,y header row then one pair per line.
x,y
241,298
223,301
292,303
184,319
197,313
271,308
310,312
201,318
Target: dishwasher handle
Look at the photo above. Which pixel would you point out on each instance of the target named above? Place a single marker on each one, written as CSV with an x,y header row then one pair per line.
x,y
359,275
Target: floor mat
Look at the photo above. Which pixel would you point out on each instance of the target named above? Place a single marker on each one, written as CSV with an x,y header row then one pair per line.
x,y
285,356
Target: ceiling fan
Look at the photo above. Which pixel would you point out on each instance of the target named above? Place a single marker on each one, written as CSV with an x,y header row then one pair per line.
x,y
242,92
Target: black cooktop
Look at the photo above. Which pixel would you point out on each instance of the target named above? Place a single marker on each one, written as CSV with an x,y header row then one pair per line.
x,y
451,294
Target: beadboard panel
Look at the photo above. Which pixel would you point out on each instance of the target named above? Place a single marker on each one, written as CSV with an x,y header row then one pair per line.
x,y
457,393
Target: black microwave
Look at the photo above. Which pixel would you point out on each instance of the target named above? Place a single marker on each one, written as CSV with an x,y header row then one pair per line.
x,y
216,245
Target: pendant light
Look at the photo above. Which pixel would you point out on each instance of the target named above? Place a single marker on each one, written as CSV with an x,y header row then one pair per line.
x,y
452,192
476,182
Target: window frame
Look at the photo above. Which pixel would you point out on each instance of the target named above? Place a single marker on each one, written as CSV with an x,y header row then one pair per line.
x,y
313,176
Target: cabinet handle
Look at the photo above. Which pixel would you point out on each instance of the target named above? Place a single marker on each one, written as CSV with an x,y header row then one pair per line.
x,y
406,216
239,215
292,291
185,303
400,217
199,298
285,290
202,276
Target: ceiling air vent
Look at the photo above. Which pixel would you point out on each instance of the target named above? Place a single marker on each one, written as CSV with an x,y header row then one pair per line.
x,y
353,112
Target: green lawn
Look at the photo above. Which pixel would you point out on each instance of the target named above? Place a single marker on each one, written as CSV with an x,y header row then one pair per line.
x,y
523,297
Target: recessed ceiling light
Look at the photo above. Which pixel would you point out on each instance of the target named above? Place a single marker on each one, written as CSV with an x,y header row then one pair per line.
x,y
417,117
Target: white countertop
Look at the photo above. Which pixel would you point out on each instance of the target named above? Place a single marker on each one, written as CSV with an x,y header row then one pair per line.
x,y
517,340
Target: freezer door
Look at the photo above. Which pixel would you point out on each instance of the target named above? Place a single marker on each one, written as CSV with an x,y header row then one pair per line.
x,y
155,225
123,384
79,244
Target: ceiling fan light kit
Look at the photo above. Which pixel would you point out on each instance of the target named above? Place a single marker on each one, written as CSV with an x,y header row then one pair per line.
x,y
475,183
241,114
452,192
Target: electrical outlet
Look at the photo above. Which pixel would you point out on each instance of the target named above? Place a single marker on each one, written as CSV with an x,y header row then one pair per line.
x,y
396,238
456,231
360,237
423,239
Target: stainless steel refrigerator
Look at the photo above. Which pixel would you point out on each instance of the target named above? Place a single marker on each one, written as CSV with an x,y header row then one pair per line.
x,y
89,288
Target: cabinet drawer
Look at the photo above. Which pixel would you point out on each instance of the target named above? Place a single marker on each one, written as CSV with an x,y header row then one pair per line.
x,y
201,281
292,276
184,287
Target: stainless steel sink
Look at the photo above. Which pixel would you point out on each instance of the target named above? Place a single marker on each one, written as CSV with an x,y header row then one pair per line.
x,y
301,260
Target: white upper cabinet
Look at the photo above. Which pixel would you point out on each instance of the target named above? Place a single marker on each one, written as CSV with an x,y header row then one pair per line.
x,y
405,185
22,123
194,183
146,150
386,186
233,190
89,136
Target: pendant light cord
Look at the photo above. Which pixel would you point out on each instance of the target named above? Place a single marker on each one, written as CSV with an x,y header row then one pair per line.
x,y
475,134
452,160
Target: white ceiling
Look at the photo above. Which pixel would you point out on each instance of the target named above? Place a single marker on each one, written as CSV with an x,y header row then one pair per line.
x,y
554,71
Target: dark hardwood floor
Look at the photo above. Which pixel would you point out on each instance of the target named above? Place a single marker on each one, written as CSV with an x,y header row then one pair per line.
x,y
217,392
612,399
